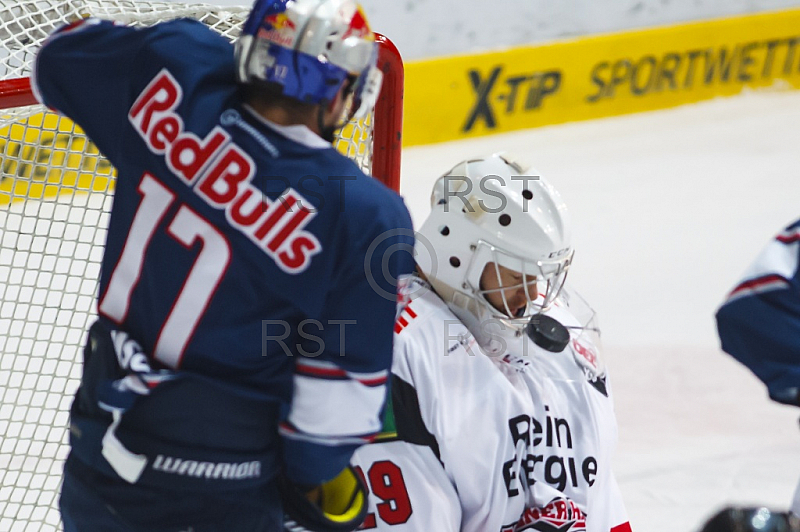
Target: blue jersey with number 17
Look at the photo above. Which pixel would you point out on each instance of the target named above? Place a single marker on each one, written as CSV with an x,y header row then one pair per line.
x,y
250,254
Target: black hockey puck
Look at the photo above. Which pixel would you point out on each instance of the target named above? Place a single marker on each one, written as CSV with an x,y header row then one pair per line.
x,y
548,333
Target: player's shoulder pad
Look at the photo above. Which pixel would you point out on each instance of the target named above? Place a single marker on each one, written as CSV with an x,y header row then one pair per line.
x,y
793,226
428,335
422,311
355,200
79,25
190,37
790,235
368,203
188,26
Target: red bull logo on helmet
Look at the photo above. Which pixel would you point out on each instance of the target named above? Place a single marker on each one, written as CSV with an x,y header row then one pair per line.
x,y
359,27
278,28
280,21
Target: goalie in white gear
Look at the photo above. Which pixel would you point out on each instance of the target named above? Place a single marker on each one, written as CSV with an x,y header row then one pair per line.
x,y
501,417
492,226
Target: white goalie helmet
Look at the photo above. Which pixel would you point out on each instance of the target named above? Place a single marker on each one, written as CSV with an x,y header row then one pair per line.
x,y
492,212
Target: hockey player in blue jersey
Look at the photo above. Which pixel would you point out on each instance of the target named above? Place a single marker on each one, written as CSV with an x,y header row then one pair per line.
x,y
759,325
246,303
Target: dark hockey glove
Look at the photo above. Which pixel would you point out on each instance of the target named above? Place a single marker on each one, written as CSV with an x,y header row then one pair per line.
x,y
339,505
752,520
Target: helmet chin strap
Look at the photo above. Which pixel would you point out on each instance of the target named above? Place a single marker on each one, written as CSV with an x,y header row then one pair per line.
x,y
491,335
329,132
326,132
346,93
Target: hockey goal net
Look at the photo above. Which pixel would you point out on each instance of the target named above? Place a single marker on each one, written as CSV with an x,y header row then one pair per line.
x,y
55,195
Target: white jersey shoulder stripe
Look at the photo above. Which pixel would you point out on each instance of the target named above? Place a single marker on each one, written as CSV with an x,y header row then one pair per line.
x,y
289,431
317,405
772,269
761,285
321,369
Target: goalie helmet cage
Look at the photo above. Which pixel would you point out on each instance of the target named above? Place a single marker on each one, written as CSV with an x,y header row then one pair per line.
x,y
55,195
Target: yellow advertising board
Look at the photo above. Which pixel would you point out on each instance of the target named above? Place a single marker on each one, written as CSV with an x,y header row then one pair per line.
x,y
592,77
472,95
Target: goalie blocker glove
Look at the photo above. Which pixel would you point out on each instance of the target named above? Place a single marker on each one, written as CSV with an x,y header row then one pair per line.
x,y
341,506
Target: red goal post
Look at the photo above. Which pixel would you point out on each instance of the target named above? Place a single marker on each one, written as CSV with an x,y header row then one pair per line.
x,y
55,195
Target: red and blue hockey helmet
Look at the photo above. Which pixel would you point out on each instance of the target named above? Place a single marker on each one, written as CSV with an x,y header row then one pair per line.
x,y
310,49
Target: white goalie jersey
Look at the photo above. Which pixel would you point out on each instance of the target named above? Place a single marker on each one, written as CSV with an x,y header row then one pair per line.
x,y
518,441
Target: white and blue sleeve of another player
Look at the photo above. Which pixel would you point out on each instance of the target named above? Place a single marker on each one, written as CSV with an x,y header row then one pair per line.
x,y
759,323
340,386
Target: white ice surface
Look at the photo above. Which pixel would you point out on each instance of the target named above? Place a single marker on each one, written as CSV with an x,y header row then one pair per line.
x,y
669,208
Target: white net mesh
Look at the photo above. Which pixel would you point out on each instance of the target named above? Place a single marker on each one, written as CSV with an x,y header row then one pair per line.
x,y
55,195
